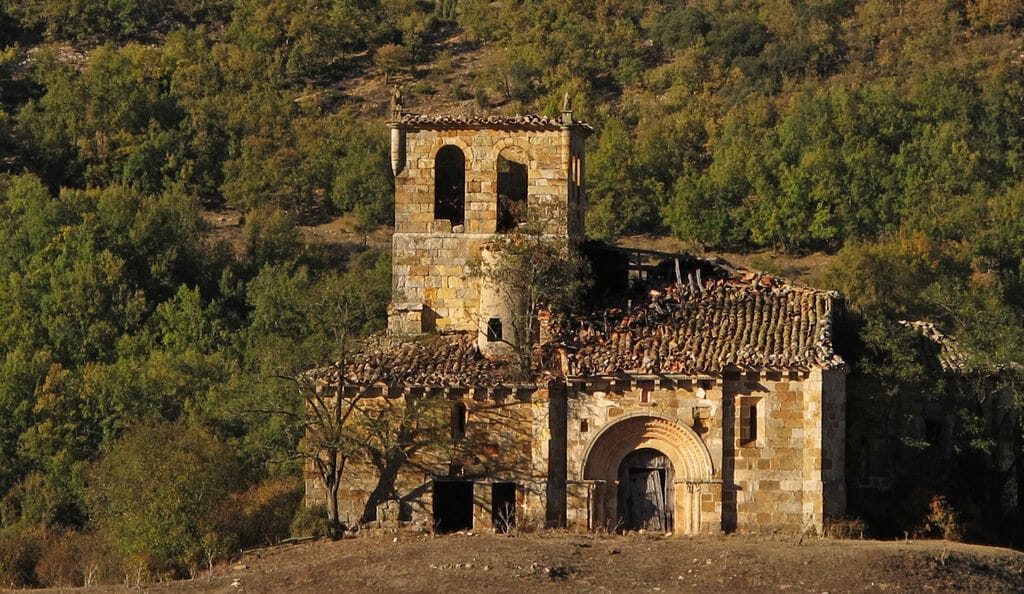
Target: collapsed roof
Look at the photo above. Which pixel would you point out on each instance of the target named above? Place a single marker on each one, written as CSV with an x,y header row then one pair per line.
x,y
937,351
708,319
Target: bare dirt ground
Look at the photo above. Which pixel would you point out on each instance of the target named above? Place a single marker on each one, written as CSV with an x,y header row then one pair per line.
x,y
564,562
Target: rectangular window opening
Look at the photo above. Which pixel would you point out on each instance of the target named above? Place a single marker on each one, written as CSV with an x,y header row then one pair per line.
x,y
494,330
751,430
459,417
933,432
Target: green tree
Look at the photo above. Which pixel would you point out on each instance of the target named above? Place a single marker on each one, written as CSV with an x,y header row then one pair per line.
x,y
331,319
346,159
889,276
392,59
160,509
271,237
113,122
621,200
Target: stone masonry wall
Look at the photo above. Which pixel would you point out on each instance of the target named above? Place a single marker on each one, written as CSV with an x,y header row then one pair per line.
x,y
500,444
771,481
785,476
778,476
596,406
432,260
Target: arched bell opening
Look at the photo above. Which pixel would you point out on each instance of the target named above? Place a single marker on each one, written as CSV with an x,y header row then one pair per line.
x,y
450,185
513,182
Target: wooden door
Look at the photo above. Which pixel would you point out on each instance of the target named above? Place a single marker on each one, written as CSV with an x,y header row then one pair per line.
x,y
645,491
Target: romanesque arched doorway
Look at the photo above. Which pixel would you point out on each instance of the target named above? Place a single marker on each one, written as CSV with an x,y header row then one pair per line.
x,y
648,473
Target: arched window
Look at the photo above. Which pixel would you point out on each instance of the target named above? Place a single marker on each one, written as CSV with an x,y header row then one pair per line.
x,y
450,185
512,185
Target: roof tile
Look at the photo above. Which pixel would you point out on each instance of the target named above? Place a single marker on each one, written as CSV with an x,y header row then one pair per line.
x,y
747,324
517,122
763,324
936,350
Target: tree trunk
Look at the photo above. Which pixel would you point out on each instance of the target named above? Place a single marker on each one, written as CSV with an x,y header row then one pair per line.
x,y
331,481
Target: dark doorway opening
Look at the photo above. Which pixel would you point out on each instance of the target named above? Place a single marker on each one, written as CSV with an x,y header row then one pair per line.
x,y
450,185
512,190
503,506
645,491
453,506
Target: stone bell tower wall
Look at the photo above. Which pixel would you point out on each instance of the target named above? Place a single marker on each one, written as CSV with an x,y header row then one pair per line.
x,y
434,288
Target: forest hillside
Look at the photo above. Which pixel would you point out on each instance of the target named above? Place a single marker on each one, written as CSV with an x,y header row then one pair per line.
x,y
158,158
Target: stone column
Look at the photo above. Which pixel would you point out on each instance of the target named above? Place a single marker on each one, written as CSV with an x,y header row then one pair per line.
x,y
397,149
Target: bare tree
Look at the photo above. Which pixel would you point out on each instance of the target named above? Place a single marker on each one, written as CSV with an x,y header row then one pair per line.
x,y
328,407
345,420
327,441
395,433
531,269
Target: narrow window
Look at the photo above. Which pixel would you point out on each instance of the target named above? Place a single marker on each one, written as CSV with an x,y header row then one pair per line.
x,y
512,190
494,330
933,432
750,421
450,185
584,426
459,414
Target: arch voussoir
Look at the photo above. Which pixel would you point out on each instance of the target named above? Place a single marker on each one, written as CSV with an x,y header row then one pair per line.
x,y
684,448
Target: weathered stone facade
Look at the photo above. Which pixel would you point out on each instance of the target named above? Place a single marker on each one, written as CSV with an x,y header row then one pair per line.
x,y
782,478
710,400
432,253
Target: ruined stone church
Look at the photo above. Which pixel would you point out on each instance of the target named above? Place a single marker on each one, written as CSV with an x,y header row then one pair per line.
x,y
686,397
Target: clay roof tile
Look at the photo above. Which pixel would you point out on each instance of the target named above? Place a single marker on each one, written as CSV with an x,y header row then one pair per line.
x,y
516,122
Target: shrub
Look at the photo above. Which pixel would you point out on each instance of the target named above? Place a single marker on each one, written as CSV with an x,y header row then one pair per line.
x,y
157,492
423,88
20,550
482,98
461,92
943,520
75,559
261,515
59,564
391,59
845,528
310,521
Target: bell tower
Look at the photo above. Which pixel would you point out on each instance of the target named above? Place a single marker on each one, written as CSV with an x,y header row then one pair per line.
x,y
460,182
